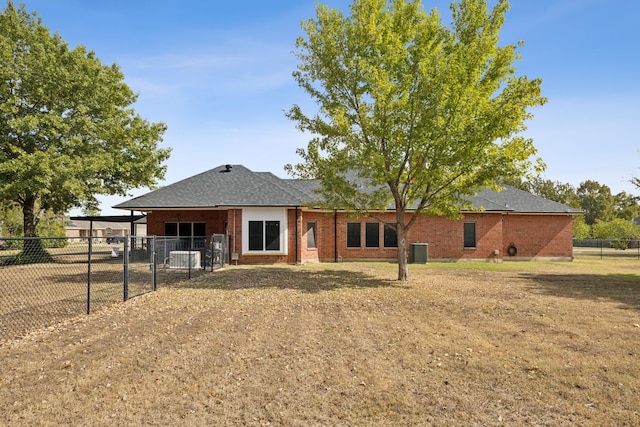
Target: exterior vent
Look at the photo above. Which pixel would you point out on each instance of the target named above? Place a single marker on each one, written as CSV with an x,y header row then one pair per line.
x,y
184,259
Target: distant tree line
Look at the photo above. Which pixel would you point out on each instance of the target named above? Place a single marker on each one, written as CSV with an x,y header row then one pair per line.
x,y
606,215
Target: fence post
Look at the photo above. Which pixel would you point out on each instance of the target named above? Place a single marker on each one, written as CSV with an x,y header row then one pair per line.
x,y
189,250
601,246
125,264
90,249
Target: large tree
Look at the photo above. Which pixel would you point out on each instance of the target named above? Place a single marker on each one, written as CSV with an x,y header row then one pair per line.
x,y
421,112
596,201
68,131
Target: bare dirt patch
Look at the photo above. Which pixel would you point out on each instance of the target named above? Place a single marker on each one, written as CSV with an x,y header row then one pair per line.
x,y
345,344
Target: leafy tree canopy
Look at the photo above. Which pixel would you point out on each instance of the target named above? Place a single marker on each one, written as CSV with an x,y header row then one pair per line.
x,y
68,131
616,228
424,113
596,200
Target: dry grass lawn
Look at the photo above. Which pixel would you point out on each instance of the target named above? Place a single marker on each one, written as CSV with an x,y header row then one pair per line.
x,y
346,345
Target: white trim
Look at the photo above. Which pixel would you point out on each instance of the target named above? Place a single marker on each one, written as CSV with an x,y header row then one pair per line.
x,y
264,214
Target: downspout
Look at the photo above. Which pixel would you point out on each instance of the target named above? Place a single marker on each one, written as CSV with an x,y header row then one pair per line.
x,y
297,231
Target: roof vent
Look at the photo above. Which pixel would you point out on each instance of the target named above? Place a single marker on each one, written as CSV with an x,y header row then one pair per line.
x,y
228,168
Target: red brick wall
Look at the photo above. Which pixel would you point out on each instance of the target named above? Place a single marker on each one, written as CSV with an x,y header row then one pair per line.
x,y
325,239
534,235
545,236
445,237
542,236
213,219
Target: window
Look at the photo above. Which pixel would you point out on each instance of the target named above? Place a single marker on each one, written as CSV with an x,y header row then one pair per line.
x,y
185,229
264,235
390,235
372,235
353,235
469,234
256,238
170,228
265,231
192,234
311,235
272,234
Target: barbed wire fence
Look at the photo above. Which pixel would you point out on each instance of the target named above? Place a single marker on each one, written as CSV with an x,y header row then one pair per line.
x,y
45,281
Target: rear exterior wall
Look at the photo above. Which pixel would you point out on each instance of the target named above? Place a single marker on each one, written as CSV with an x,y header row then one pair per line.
x,y
535,236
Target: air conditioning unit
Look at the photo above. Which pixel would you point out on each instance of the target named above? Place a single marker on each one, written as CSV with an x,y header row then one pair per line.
x,y
184,259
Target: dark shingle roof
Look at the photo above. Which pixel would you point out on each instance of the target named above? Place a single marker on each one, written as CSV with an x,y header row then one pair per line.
x,y
220,187
237,186
511,199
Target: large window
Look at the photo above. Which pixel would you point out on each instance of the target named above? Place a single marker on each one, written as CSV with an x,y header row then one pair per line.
x,y
390,235
265,231
353,235
185,229
311,235
264,235
192,234
469,234
372,235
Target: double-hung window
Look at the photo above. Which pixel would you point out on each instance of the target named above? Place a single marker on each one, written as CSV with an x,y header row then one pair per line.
x,y
353,235
390,235
372,235
469,234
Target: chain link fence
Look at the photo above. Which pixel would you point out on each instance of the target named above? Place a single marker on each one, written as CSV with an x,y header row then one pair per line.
x,y
45,281
607,248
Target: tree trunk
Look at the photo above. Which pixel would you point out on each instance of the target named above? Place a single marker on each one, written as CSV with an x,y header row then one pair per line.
x,y
29,217
403,268
33,250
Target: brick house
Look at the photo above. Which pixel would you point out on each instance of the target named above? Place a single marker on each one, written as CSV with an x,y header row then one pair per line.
x,y
268,220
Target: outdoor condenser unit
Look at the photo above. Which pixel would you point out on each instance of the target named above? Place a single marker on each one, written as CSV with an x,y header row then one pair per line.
x,y
184,259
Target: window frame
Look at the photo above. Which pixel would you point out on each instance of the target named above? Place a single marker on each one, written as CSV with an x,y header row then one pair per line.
x,y
354,232
390,241
312,237
372,235
270,219
469,231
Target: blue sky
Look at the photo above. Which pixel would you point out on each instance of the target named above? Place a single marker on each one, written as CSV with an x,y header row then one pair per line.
x,y
218,73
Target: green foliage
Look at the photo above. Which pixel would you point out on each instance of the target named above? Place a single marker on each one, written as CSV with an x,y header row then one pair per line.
x,y
596,201
625,206
581,230
49,225
422,113
619,229
67,128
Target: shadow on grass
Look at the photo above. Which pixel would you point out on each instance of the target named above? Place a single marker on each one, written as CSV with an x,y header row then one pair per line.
x,y
286,278
623,288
